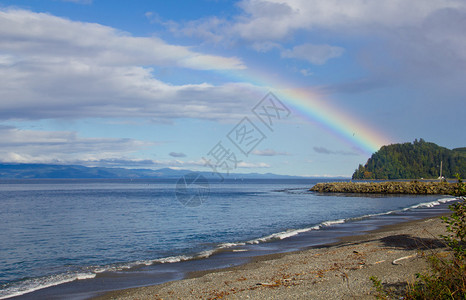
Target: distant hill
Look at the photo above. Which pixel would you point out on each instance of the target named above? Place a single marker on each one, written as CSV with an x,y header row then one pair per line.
x,y
50,171
419,159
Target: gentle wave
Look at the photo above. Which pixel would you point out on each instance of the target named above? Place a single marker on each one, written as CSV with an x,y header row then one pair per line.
x,y
432,203
34,284
293,232
31,285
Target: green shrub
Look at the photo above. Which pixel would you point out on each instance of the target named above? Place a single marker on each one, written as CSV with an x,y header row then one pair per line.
x,y
460,189
446,278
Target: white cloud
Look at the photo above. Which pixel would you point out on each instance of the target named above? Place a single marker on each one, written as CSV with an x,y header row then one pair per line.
x,y
67,147
127,162
413,43
52,67
38,90
276,19
249,165
268,152
43,36
116,162
306,72
32,146
315,54
403,40
210,29
273,20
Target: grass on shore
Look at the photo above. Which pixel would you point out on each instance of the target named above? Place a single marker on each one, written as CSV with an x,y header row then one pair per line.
x,y
446,278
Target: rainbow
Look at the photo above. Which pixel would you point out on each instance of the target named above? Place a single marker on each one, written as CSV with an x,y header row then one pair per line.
x,y
311,106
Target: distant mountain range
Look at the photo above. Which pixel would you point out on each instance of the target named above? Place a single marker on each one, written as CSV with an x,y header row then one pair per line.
x,y
50,171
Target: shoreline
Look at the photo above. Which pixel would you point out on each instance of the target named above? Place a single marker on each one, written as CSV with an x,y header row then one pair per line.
x,y
156,275
336,270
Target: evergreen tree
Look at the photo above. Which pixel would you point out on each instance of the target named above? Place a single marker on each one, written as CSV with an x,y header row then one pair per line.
x,y
419,159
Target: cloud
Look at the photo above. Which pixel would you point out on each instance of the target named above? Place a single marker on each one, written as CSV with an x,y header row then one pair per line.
x,y
210,29
66,147
434,50
323,150
74,90
52,67
249,165
32,146
117,162
276,20
256,23
358,85
265,46
268,152
315,54
177,154
408,43
306,72
139,163
56,39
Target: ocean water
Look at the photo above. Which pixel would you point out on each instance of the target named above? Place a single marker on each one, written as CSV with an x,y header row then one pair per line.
x,y
58,231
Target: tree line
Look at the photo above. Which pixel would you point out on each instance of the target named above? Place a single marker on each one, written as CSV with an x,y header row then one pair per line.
x,y
416,160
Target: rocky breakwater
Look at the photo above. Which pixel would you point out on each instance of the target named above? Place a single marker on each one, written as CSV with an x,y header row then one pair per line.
x,y
387,187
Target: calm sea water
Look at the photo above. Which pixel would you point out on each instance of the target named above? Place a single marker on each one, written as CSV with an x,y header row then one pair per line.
x,y
52,232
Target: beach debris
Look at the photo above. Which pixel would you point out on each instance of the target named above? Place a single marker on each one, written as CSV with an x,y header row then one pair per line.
x,y
266,283
397,261
379,262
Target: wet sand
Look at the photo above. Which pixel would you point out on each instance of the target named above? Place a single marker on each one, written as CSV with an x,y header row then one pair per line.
x,y
394,253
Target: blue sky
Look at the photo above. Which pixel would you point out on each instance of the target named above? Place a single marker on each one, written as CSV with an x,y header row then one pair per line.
x,y
154,84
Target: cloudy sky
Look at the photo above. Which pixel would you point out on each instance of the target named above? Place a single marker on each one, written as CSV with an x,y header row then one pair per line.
x,y
185,84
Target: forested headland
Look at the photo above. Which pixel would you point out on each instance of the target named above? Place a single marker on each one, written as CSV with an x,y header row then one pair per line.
x,y
416,160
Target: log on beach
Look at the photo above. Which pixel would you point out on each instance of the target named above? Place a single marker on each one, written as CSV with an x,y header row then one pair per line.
x,y
387,187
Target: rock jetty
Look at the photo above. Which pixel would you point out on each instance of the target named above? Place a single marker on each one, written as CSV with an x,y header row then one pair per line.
x,y
387,187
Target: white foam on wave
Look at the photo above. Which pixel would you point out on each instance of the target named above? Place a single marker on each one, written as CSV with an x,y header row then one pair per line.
x,y
293,232
206,253
172,259
230,245
330,223
371,215
34,284
432,203
279,235
130,265
419,205
120,267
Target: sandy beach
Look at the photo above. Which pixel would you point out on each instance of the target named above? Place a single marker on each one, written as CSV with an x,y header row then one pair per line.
x,y
342,270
